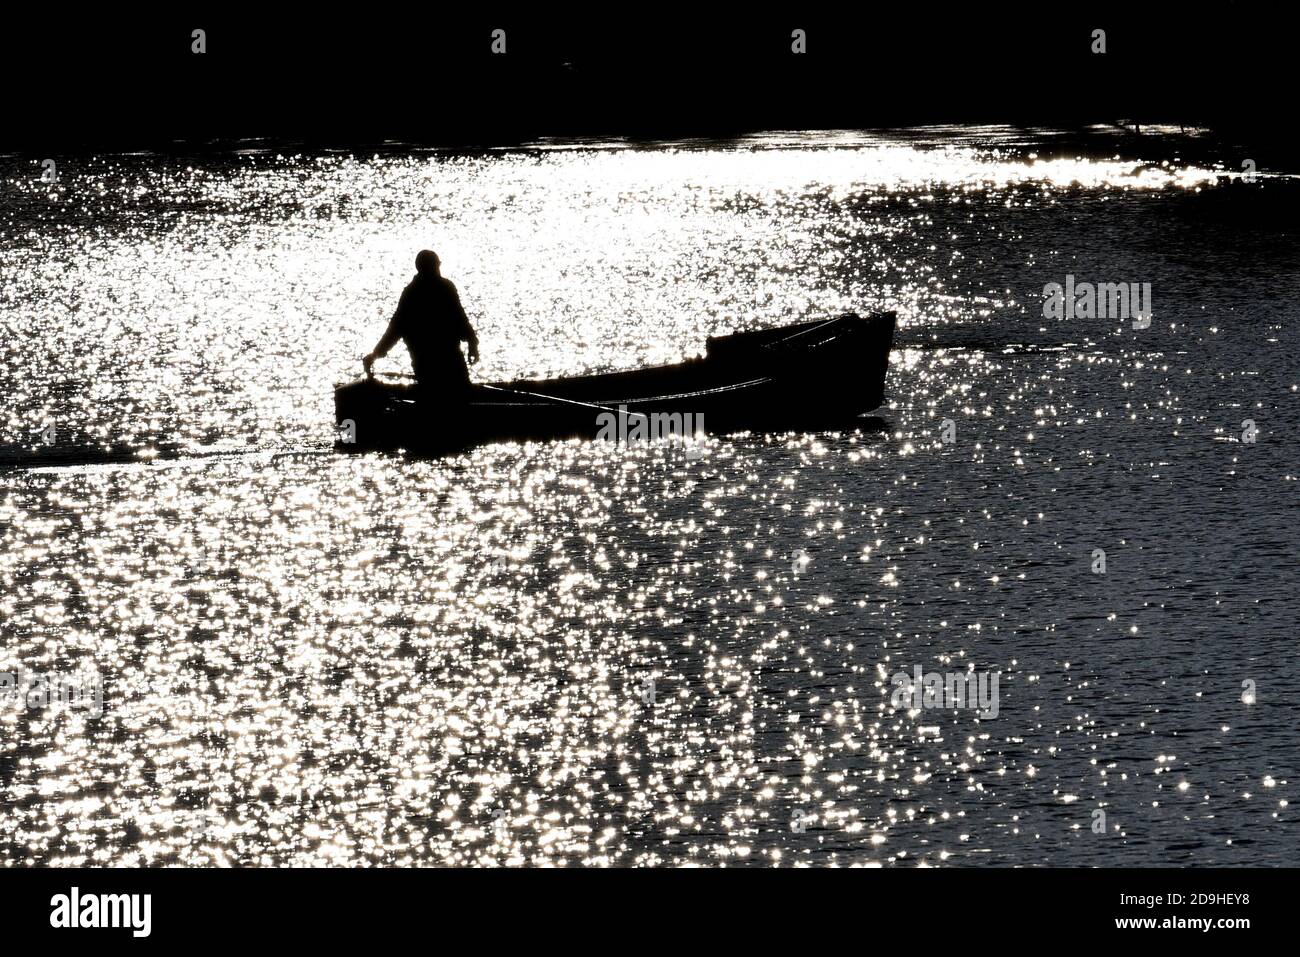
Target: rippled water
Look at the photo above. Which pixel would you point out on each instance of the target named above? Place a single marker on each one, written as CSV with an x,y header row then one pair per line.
x,y
575,653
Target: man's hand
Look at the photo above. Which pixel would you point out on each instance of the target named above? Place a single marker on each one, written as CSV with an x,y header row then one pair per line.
x,y
367,362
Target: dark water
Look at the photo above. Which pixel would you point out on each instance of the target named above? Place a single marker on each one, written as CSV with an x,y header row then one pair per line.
x,y
576,653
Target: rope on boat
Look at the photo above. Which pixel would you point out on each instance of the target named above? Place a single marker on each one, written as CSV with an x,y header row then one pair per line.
x,y
532,395
556,398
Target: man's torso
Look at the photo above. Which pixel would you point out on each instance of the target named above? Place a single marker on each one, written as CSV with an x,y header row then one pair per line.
x,y
432,326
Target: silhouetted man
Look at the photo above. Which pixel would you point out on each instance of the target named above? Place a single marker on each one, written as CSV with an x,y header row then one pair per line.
x,y
432,323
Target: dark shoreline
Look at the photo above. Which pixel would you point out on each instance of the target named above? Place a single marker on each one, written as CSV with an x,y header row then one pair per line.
x,y
429,78
1146,144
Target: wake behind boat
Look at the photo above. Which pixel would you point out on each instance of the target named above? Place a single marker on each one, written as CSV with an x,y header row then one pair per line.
x,y
812,375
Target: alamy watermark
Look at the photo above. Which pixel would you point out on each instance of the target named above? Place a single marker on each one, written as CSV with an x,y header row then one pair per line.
x,y
75,909
625,428
926,690
1106,300
39,690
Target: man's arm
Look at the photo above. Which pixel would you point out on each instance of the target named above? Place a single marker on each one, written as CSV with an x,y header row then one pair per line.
x,y
467,333
389,338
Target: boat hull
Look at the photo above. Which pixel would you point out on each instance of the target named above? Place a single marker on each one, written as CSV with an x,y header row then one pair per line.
x,y
814,375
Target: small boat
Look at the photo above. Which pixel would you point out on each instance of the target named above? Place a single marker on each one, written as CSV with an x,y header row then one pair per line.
x,y
811,376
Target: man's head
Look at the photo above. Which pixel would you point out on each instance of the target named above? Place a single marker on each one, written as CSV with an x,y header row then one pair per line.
x,y
426,263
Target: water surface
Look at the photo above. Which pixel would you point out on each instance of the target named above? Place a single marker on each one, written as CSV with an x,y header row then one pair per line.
x,y
572,653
